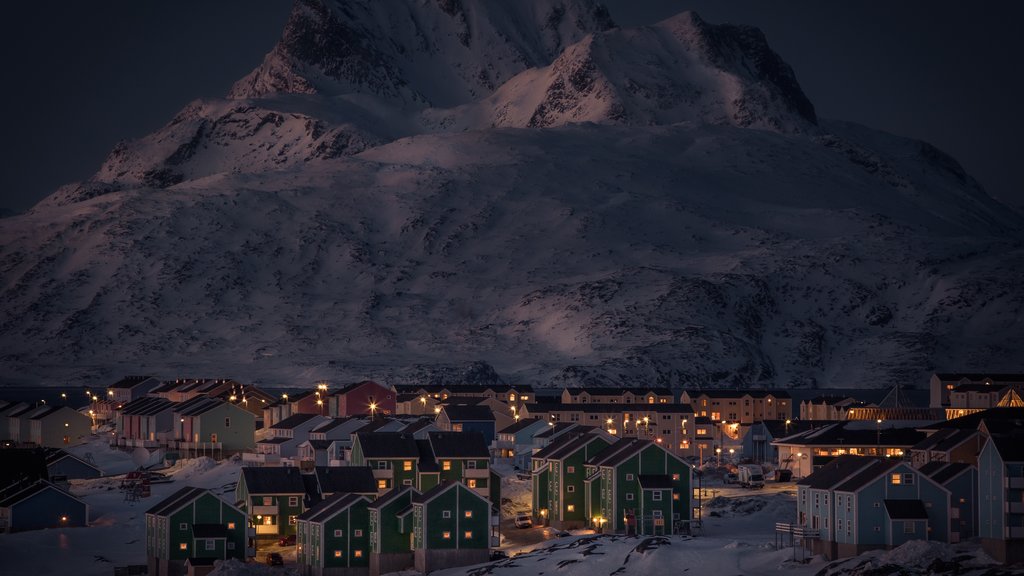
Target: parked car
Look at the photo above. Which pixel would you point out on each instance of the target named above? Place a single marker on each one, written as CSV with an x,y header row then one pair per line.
x,y
275,559
287,540
523,520
730,478
498,555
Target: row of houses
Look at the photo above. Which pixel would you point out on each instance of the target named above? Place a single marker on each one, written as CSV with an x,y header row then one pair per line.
x,y
964,478
587,478
23,424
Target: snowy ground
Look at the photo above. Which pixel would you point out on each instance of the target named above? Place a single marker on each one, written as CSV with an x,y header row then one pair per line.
x,y
737,537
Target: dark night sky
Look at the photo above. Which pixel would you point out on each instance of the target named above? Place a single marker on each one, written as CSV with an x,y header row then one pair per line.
x,y
83,75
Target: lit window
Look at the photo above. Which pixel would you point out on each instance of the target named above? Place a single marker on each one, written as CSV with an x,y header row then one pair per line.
x,y
472,482
468,535
382,484
292,520
337,553
407,465
268,501
183,546
446,535
446,465
570,508
570,469
469,513
231,525
896,478
675,496
358,553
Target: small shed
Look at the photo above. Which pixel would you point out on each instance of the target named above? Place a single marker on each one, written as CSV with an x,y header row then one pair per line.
x,y
40,505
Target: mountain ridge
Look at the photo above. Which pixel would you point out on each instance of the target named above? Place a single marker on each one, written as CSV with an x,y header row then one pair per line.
x,y
732,238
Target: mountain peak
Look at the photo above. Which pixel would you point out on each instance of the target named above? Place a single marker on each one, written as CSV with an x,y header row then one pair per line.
x,y
436,52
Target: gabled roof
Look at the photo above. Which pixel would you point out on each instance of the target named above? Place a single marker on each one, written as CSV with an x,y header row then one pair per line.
x,y
294,421
335,479
175,501
835,472
876,468
979,376
948,472
591,407
54,455
619,452
561,442
387,445
12,497
932,467
635,390
654,481
147,406
331,507
573,445
519,425
1010,447
390,496
45,411
739,393
856,433
350,387
427,462
209,531
275,440
973,420
334,423
441,489
273,480
468,413
458,445
417,425
905,509
197,406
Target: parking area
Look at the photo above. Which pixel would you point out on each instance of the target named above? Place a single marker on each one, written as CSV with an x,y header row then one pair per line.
x,y
514,538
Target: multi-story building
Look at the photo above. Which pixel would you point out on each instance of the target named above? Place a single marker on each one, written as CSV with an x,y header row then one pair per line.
x,y
807,451
1001,497
193,523
740,406
629,395
333,537
451,526
559,498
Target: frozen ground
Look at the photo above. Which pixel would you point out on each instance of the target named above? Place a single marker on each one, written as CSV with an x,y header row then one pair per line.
x,y
737,538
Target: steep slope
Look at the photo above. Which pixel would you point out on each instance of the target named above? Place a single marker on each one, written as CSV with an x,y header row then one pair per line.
x,y
680,70
438,52
652,205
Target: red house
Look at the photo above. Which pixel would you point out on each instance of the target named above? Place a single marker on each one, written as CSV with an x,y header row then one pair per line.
x,y
363,398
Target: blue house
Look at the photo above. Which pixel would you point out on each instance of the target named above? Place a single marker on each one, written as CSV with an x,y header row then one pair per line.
x,y
38,505
67,466
1001,497
514,443
467,418
961,481
860,503
757,442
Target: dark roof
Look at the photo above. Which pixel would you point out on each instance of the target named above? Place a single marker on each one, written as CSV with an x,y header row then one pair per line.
x,y
45,411
177,500
468,413
560,442
387,445
655,481
275,440
147,406
53,455
330,507
619,452
417,425
293,421
129,382
836,471
350,387
905,509
932,467
273,480
519,425
332,424
977,387
779,429
856,433
197,406
390,496
973,420
572,445
952,470
440,488
427,462
458,445
209,531
635,390
346,479
11,497
876,468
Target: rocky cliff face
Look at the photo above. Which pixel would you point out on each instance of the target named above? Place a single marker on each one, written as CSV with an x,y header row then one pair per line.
x,y
406,188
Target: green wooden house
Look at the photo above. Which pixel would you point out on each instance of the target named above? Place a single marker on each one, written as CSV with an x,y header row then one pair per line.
x,y
450,527
273,498
333,537
193,523
462,457
390,529
636,486
393,457
563,468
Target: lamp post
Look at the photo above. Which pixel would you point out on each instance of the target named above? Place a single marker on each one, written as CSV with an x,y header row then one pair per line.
x,y
373,410
718,452
878,437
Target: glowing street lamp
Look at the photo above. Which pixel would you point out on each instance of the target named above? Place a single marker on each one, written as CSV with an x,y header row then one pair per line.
x,y
373,410
320,403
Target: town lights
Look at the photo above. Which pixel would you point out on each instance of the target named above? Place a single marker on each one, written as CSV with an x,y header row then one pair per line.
x,y
110,392
373,409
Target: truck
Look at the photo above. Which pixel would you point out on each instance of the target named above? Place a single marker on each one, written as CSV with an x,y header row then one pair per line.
x,y
750,476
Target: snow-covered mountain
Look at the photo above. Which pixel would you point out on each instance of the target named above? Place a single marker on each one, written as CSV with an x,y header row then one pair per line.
x,y
604,205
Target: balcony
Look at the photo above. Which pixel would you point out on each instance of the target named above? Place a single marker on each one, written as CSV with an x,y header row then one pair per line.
x,y
476,473
386,474
1013,532
264,511
1015,482
266,529
249,458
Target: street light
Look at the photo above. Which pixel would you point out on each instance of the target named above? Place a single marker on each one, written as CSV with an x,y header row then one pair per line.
x,y
718,451
373,409
878,436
